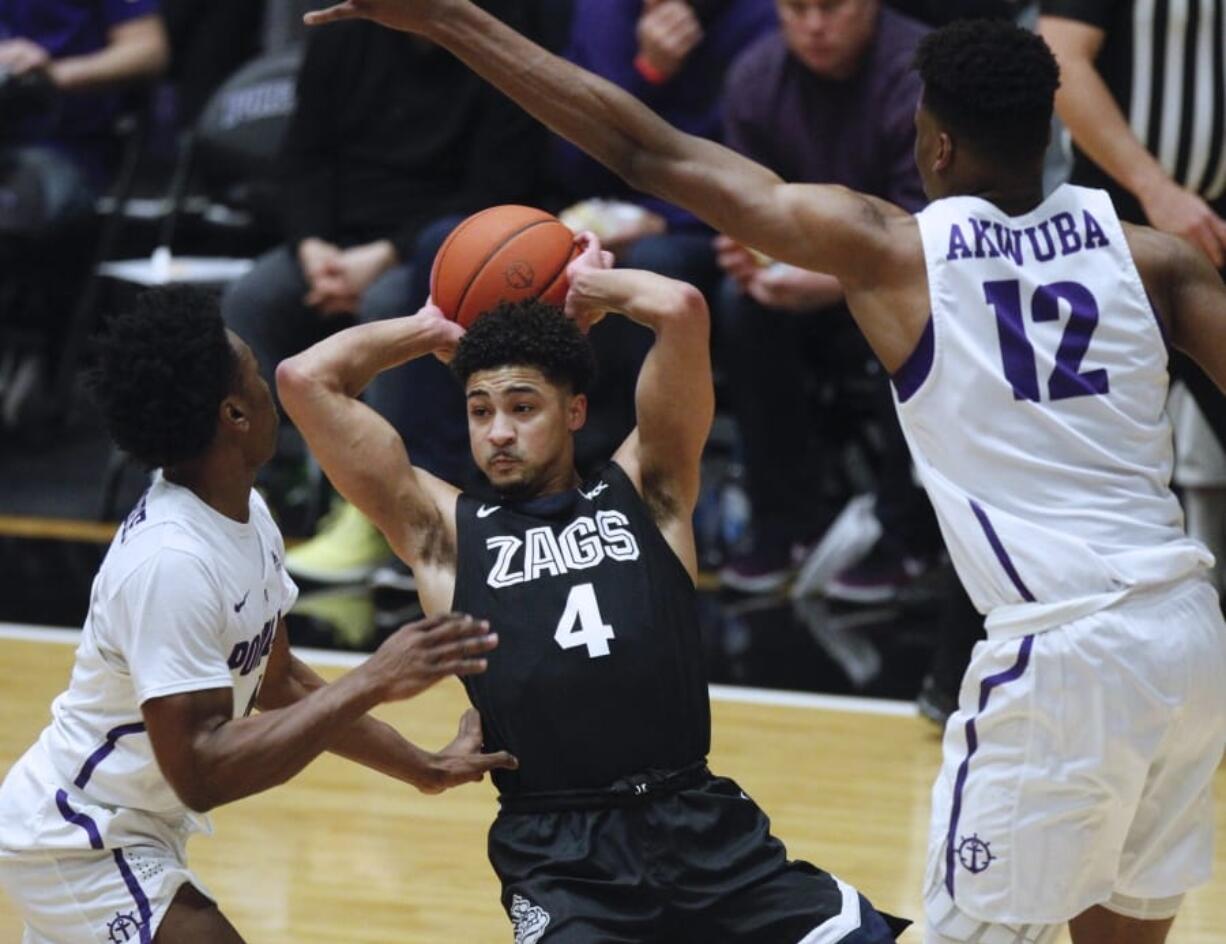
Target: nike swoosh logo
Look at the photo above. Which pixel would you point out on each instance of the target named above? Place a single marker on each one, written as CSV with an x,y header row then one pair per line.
x,y
238,607
485,511
596,490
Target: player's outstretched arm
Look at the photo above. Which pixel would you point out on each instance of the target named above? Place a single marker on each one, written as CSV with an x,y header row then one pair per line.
x,y
361,453
210,758
375,744
674,397
826,228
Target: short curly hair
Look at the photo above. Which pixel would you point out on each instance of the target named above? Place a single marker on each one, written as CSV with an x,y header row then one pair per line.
x,y
993,84
529,334
164,366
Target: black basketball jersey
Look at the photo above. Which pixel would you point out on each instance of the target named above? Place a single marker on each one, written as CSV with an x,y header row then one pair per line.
x,y
599,669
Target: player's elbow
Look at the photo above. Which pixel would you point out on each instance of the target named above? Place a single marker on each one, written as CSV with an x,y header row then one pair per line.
x,y
294,380
196,794
688,306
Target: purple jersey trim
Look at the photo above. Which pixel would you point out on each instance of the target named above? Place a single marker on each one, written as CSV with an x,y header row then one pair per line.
x,y
138,895
98,756
78,819
918,365
972,744
1001,554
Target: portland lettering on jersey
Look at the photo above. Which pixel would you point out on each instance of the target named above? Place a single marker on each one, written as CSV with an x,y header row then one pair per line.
x,y
246,655
1062,234
584,543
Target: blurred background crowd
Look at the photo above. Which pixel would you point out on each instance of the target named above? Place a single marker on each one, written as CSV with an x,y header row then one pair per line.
x,y
310,178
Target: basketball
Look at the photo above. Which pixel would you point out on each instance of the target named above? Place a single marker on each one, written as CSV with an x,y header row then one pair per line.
x,y
503,254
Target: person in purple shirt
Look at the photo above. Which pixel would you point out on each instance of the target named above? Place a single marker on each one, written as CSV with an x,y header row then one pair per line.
x,y
829,98
673,55
61,62
84,49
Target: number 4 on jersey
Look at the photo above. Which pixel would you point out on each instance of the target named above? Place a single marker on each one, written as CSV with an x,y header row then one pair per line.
x,y
581,623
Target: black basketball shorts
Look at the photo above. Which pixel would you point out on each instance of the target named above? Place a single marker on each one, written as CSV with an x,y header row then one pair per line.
x,y
695,865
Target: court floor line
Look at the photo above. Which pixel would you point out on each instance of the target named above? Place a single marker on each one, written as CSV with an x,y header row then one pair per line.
x,y
328,658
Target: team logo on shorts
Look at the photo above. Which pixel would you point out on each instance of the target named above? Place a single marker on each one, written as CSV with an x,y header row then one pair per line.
x,y
975,854
125,927
530,921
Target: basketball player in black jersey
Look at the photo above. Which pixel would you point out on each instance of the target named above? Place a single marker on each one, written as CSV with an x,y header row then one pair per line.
x,y
612,828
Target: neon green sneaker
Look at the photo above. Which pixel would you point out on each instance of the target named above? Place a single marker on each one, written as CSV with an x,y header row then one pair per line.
x,y
346,549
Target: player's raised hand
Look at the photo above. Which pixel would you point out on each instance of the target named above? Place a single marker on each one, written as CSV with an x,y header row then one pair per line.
x,y
462,761
581,307
419,654
447,333
408,15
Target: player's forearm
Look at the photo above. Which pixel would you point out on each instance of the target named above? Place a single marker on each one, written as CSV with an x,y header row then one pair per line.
x,y
1094,119
249,755
138,50
367,741
652,300
349,360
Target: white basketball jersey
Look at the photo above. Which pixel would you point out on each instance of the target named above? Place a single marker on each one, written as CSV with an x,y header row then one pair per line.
x,y
1034,407
186,600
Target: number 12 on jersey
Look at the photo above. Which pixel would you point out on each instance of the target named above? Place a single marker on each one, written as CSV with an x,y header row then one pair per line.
x,y
1017,352
581,623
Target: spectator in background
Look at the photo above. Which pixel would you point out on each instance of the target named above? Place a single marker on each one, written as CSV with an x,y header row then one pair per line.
x,y
392,142
85,49
674,56
62,64
830,98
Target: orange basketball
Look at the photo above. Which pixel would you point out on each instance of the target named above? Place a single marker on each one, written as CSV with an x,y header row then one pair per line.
x,y
503,254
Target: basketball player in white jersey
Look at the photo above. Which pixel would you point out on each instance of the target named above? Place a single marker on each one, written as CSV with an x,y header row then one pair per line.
x,y
185,636
1028,342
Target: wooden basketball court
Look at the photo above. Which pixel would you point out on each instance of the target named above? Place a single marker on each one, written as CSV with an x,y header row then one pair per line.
x,y
344,856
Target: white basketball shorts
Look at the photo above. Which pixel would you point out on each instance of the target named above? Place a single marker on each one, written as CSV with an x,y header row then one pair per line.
x,y
114,896
1078,769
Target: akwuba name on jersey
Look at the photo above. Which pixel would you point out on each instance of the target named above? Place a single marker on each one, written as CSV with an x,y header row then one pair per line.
x,y
584,543
1063,233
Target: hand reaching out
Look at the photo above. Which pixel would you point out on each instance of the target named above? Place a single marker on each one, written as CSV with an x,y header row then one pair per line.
x,y
462,761
424,652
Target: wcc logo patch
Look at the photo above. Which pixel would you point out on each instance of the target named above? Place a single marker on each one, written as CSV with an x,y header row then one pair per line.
x,y
975,854
529,920
125,927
